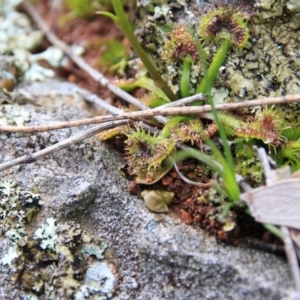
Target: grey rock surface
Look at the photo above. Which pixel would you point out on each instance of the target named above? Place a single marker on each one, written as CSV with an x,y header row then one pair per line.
x,y
152,256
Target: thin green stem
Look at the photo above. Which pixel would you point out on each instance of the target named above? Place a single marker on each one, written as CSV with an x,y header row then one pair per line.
x,y
185,77
213,69
210,74
166,131
124,25
225,211
273,229
143,82
201,156
205,87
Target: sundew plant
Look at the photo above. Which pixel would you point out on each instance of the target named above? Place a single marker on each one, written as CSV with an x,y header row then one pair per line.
x,y
227,30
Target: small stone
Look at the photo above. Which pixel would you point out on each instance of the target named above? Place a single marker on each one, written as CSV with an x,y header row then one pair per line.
x,y
156,200
186,217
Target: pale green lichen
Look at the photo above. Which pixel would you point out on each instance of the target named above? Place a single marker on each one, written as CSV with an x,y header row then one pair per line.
x,y
18,39
47,234
273,8
270,67
99,277
53,261
12,114
15,29
293,5
16,209
270,64
13,253
269,8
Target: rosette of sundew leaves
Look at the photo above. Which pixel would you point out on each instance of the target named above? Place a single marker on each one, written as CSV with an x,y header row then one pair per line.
x,y
227,28
181,49
141,144
146,154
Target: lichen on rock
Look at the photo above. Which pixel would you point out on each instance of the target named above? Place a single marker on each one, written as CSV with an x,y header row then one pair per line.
x,y
53,260
18,39
267,66
270,65
12,114
17,206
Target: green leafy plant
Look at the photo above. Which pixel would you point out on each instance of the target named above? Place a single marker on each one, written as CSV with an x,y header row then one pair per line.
x,y
225,165
146,83
227,27
146,154
149,155
122,22
183,46
115,57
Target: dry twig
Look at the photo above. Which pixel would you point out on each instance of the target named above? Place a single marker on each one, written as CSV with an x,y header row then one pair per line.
x,y
26,159
90,132
136,115
92,98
